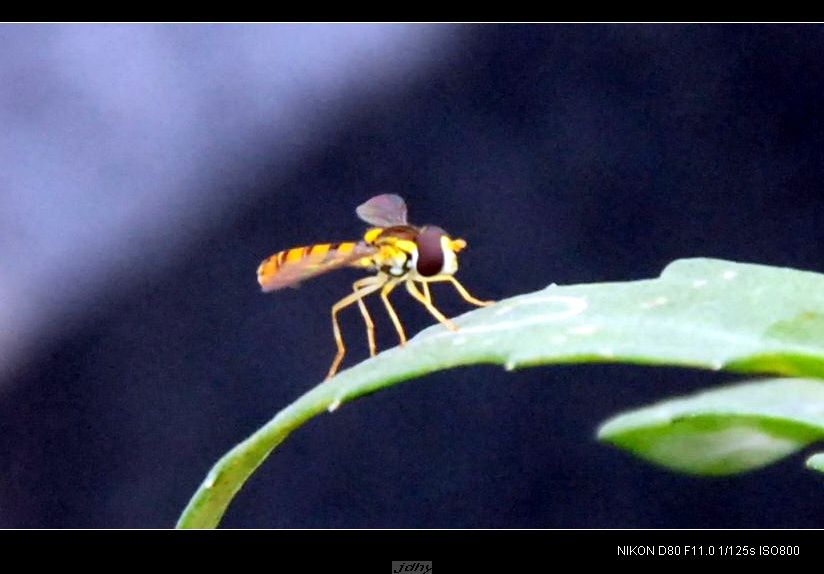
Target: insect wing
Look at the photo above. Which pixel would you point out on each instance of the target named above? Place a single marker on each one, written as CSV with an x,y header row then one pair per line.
x,y
282,270
385,210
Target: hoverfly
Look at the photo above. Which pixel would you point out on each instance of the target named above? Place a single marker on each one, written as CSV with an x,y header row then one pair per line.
x,y
395,250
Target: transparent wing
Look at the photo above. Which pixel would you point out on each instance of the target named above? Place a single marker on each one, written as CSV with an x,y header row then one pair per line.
x,y
385,210
282,270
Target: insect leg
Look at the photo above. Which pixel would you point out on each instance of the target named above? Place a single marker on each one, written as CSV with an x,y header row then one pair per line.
x,y
387,289
370,326
464,293
426,294
410,286
345,302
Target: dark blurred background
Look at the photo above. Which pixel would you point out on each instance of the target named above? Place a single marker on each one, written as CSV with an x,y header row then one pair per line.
x,y
146,170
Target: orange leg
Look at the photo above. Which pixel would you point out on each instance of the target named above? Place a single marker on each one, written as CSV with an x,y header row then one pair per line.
x,y
426,293
410,286
462,290
370,326
345,302
387,289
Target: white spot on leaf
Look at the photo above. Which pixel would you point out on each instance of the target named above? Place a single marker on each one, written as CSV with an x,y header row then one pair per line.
x,y
698,283
657,302
730,275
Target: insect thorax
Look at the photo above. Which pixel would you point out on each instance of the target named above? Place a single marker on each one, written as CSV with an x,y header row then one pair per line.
x,y
396,249
394,260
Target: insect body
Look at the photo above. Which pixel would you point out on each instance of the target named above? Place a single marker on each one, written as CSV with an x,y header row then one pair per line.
x,y
395,250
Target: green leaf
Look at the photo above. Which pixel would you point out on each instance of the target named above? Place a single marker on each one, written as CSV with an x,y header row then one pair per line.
x,y
816,462
701,313
724,431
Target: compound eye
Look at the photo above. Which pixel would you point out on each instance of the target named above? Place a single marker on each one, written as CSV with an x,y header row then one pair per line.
x,y
430,251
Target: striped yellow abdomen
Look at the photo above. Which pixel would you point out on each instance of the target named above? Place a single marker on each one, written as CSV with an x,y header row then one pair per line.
x,y
308,260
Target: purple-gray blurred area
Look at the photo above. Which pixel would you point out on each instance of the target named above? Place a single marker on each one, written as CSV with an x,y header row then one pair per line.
x,y
112,133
